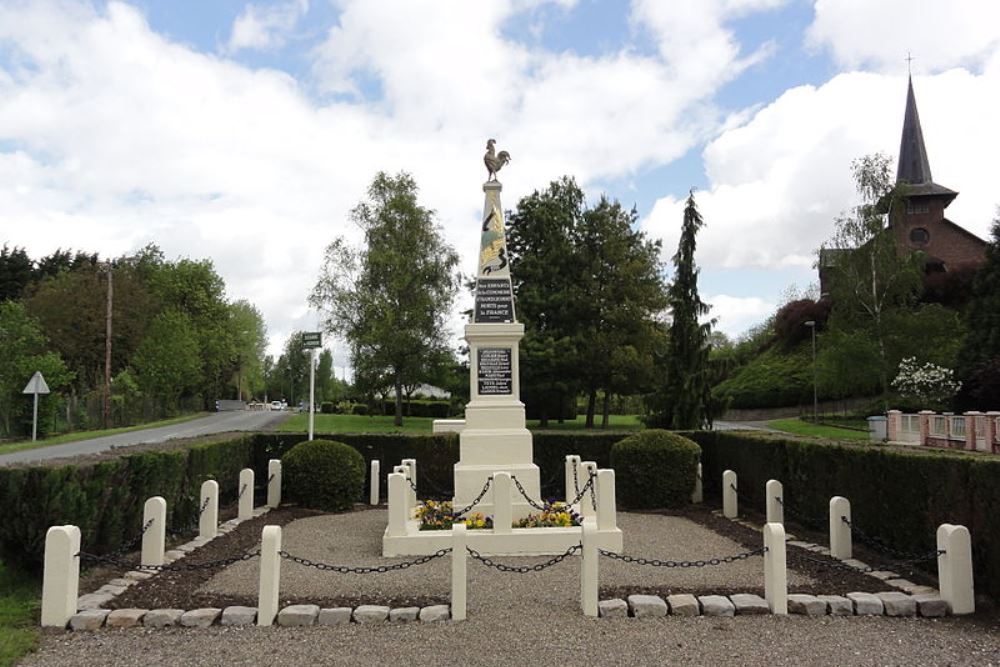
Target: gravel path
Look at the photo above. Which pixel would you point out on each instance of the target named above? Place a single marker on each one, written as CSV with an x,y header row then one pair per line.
x,y
532,618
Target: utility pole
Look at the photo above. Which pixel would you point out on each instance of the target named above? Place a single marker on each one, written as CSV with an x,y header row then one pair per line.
x,y
812,325
107,352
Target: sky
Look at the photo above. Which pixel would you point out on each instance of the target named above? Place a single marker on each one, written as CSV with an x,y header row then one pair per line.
x,y
244,132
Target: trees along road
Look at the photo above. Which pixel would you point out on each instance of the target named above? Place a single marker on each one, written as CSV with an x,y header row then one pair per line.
x,y
219,422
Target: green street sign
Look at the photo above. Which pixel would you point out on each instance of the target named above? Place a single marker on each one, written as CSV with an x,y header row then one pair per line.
x,y
312,339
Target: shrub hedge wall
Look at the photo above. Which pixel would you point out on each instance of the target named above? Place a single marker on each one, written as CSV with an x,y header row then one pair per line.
x,y
899,496
654,468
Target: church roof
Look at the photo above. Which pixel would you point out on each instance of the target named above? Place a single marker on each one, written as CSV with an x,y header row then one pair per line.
x,y
914,168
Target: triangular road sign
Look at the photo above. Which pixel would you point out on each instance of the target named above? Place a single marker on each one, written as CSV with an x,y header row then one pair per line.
x,y
36,385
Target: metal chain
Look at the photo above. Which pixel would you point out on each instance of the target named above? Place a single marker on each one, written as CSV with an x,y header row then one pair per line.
x,y
376,569
461,512
129,546
522,569
181,567
654,562
517,483
878,544
576,483
588,486
242,489
835,565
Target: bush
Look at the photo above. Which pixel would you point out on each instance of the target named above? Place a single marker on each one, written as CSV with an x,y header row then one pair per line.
x,y
655,468
328,408
359,409
323,475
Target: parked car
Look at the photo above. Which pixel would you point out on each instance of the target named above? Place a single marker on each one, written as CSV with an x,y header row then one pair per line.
x,y
277,405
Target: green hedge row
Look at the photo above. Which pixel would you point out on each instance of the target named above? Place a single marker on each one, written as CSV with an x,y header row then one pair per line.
x,y
901,497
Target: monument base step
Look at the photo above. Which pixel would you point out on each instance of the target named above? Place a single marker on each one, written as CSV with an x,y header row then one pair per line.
x,y
515,542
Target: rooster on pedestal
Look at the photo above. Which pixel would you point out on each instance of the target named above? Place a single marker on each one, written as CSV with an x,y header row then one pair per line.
x,y
493,161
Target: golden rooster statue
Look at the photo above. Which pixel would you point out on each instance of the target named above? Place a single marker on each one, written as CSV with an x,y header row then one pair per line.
x,y
494,162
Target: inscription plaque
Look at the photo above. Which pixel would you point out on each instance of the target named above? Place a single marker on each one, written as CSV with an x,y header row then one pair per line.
x,y
495,372
494,300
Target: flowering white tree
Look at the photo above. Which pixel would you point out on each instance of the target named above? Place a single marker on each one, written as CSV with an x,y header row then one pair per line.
x,y
929,383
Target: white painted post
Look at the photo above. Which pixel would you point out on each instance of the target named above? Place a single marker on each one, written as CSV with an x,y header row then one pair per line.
x,y
373,494
458,571
411,465
270,575
61,577
208,522
572,463
841,540
589,567
730,503
273,483
606,502
774,494
405,472
588,468
775,574
955,568
397,505
245,510
698,495
154,538
502,506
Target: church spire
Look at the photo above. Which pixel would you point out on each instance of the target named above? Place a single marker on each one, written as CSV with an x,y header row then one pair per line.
x,y
914,167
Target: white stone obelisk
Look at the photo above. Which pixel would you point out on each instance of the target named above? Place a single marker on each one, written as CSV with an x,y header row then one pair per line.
x,y
494,438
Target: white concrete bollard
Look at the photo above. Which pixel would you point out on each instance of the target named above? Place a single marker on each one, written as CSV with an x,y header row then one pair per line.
x,y
208,522
503,516
407,497
730,502
270,575
61,577
411,465
841,540
245,510
774,493
154,513
572,463
955,568
606,502
775,573
273,483
589,567
458,571
374,492
398,514
588,468
698,495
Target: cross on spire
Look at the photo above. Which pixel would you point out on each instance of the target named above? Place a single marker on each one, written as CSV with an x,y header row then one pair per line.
x,y
909,59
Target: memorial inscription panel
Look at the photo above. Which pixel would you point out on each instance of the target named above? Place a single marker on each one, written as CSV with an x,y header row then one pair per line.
x,y
495,372
494,300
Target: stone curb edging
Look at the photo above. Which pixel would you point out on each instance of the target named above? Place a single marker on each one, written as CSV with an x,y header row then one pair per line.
x,y
298,615
889,603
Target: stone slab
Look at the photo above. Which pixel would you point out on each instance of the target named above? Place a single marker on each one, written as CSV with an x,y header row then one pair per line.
x,y
930,605
371,613
334,616
807,605
200,618
135,575
800,544
112,589
404,614
897,604
122,582
93,601
647,606
837,605
173,555
89,619
298,615
435,613
615,608
162,618
125,618
684,604
857,564
716,605
237,615
187,548
884,575
866,604
748,604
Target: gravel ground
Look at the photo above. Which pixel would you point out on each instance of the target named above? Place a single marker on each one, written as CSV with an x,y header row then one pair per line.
x,y
530,618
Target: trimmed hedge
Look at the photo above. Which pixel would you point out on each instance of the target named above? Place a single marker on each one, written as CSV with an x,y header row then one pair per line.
x,y
655,468
323,474
899,496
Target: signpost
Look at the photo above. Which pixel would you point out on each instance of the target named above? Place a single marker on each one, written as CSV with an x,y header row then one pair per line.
x,y
312,341
36,385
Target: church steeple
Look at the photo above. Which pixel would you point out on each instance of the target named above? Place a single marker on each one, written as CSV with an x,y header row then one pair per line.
x,y
914,168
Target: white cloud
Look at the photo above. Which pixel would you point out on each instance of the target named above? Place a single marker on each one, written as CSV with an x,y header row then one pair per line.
x,y
778,181
879,33
265,27
735,315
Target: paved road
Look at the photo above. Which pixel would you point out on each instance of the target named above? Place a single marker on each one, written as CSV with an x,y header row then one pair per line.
x,y
218,422
742,426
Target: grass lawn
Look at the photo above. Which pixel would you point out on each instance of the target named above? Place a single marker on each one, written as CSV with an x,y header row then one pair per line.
x,y
76,436
799,427
383,424
19,599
